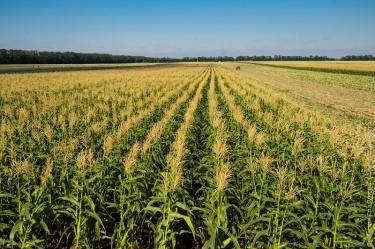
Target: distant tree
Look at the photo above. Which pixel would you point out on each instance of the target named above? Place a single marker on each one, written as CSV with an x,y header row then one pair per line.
x,y
282,58
358,58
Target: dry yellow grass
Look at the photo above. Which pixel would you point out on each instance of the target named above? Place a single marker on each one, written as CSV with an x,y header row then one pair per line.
x,y
352,65
325,93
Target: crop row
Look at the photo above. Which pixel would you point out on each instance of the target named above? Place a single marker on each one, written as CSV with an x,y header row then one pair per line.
x,y
307,184
180,157
64,147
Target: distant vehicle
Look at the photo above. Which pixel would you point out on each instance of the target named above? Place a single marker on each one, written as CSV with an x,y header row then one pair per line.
x,y
238,68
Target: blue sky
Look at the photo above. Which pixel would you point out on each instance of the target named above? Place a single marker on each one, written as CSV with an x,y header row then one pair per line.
x,y
190,28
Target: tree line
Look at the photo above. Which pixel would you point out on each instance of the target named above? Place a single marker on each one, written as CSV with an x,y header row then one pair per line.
x,y
358,58
17,56
284,58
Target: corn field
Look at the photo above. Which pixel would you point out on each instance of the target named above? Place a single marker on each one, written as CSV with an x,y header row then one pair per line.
x,y
177,156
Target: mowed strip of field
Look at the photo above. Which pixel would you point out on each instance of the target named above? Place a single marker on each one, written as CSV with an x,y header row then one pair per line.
x,y
349,65
345,96
351,68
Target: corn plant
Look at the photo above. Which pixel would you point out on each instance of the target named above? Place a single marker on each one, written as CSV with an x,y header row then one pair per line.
x,y
177,156
78,206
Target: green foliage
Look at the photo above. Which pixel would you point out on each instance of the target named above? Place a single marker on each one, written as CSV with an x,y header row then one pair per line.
x,y
70,179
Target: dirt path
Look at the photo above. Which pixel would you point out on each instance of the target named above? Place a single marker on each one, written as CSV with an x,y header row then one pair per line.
x,y
350,101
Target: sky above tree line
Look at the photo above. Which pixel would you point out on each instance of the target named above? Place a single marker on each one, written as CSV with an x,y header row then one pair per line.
x,y
191,28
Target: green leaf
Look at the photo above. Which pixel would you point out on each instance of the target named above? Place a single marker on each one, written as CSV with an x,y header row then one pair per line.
x,y
15,229
258,234
183,207
232,237
4,226
4,195
153,209
69,199
45,227
8,213
226,242
68,211
186,219
123,239
95,216
90,202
